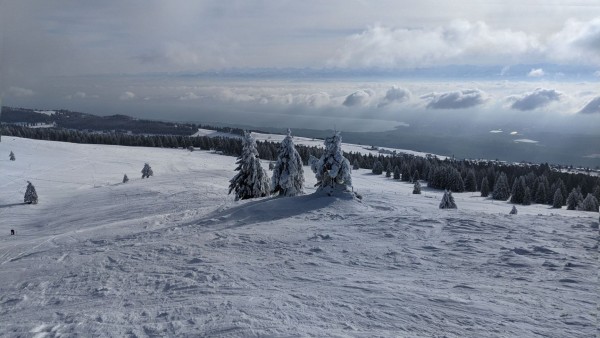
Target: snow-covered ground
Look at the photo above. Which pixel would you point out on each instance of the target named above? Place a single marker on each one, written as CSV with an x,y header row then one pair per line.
x,y
174,255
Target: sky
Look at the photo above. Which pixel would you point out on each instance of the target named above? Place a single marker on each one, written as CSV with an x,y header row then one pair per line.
x,y
351,65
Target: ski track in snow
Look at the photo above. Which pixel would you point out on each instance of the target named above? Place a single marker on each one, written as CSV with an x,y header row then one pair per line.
x,y
174,255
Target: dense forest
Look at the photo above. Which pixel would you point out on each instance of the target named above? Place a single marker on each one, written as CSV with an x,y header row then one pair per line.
x,y
524,183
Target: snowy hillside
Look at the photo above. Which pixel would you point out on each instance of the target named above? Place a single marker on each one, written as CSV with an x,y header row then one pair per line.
x,y
174,255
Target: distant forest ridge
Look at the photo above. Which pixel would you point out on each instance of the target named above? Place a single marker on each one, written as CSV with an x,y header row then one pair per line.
x,y
114,123
542,182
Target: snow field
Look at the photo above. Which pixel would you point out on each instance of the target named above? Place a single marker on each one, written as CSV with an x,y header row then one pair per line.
x,y
174,255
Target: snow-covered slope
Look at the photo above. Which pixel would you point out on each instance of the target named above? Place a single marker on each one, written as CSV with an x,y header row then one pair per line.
x,y
174,255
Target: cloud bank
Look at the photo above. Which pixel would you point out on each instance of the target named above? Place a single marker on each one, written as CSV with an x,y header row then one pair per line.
x,y
464,42
533,100
466,98
20,92
358,98
592,107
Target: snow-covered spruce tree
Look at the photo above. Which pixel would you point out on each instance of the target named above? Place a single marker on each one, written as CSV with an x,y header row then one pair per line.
x,y
288,173
31,196
355,165
447,201
501,191
405,173
518,190
540,195
574,199
417,188
396,173
485,187
558,199
147,171
471,181
513,211
388,171
377,168
125,178
332,170
11,156
252,180
416,176
590,203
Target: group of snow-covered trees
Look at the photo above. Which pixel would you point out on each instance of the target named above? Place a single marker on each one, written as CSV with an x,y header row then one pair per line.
x,y
332,170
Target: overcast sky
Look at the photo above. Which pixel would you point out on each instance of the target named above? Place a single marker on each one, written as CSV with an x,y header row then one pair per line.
x,y
128,57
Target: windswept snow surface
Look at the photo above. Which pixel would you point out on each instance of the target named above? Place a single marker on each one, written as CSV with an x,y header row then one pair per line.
x,y
174,255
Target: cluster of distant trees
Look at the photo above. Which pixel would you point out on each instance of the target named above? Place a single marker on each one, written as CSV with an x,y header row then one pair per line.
x,y
522,183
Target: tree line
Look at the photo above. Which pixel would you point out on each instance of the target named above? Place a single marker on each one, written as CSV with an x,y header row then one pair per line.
x,y
522,183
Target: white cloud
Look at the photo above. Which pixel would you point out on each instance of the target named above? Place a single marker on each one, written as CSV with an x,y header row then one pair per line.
x,y
458,42
536,72
358,98
513,133
533,100
496,131
80,95
127,96
395,95
189,96
525,140
578,41
456,99
464,42
318,99
20,92
592,107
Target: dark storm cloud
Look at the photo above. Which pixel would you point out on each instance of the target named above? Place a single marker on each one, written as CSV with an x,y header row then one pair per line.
x,y
533,100
466,98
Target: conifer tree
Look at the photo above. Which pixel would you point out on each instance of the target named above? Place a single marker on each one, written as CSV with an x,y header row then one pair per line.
x,y
125,178
147,171
501,191
288,173
31,196
540,196
416,176
11,156
471,181
558,199
355,166
513,211
574,199
596,192
518,190
332,170
405,173
590,203
447,201
485,187
396,173
377,168
252,180
388,172
417,188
